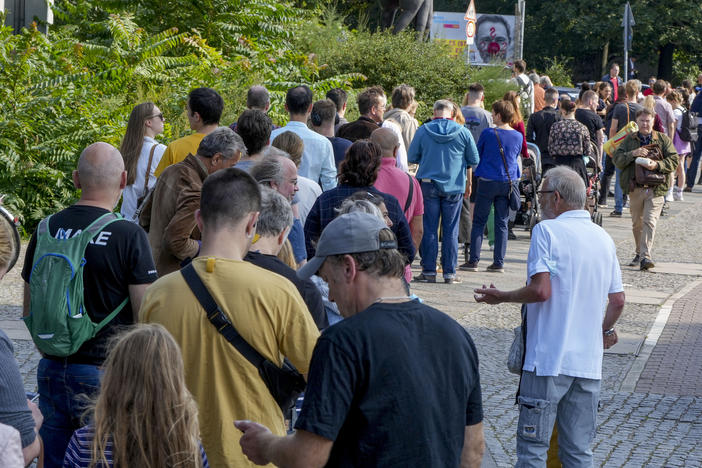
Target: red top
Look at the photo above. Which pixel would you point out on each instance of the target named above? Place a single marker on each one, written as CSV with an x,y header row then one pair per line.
x,y
520,128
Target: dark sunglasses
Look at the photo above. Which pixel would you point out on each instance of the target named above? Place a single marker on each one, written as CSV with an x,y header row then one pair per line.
x,y
160,116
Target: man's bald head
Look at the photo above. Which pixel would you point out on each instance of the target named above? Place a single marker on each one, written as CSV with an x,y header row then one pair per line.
x,y
100,168
387,140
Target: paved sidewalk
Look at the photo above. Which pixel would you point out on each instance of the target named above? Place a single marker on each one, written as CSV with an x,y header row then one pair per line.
x,y
651,409
675,364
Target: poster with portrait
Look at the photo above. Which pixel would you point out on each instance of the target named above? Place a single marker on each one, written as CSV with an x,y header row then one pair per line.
x,y
494,36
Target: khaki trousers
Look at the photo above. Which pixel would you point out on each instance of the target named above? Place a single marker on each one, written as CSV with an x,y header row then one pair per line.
x,y
645,209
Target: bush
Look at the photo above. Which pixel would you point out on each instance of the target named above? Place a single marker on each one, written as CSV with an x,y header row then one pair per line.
x,y
559,71
60,94
388,60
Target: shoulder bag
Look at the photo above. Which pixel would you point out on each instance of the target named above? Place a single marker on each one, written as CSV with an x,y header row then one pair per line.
x,y
145,191
644,176
285,384
408,202
515,201
515,358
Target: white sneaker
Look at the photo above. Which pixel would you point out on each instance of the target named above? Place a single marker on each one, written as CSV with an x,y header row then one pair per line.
x,y
677,194
668,197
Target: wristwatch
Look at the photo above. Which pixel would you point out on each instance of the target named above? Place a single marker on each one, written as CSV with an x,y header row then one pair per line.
x,y
609,332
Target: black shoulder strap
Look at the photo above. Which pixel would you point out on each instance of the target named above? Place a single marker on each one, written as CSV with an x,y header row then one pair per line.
x,y
409,194
220,321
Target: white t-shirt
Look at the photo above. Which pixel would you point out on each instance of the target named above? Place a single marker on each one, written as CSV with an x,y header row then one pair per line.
x,y
564,333
305,197
401,156
131,193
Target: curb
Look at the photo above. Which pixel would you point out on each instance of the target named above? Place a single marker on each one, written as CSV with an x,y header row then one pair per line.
x,y
632,377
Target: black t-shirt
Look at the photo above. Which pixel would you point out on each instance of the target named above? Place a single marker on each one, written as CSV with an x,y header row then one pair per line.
x,y
309,292
395,386
118,256
539,127
591,120
620,113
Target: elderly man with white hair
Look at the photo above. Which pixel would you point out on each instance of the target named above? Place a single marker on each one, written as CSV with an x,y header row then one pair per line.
x,y
573,300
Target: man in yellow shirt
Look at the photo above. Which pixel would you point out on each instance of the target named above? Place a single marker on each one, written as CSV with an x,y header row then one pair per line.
x,y
266,310
204,109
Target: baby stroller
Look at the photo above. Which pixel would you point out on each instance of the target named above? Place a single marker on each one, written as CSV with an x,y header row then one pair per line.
x,y
593,189
529,213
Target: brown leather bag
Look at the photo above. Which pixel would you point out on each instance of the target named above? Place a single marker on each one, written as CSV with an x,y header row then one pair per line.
x,y
648,177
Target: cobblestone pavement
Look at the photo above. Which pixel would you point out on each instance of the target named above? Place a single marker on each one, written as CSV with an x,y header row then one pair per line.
x,y
675,367
638,425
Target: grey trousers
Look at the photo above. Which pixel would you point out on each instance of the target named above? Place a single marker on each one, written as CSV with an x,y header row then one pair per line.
x,y
465,223
572,401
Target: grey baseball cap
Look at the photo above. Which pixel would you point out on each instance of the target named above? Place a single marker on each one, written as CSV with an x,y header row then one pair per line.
x,y
349,233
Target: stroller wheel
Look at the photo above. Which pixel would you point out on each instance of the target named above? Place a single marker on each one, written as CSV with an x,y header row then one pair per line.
x,y
533,222
598,218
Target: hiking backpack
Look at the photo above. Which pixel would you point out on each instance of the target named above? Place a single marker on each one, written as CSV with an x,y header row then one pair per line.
x,y
688,130
57,320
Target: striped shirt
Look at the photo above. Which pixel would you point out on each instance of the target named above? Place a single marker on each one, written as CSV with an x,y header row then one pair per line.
x,y
78,453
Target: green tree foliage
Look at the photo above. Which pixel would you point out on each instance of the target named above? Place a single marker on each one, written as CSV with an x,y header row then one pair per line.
x,y
60,95
386,60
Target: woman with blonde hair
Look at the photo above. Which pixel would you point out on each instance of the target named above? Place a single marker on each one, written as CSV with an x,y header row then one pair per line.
x,y
141,155
144,416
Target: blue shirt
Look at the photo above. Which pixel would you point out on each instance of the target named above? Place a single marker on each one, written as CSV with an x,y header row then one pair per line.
x,y
297,241
491,165
444,150
79,450
317,157
340,145
324,211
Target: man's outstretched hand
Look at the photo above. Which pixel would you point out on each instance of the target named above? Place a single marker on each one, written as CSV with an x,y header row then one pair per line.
x,y
254,441
490,295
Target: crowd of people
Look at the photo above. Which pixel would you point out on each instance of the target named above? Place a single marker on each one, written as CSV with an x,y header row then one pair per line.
x,y
294,245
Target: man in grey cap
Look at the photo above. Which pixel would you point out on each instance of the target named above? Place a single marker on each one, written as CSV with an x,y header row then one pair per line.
x,y
376,389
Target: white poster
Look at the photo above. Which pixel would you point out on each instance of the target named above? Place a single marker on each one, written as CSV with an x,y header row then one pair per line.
x,y
494,36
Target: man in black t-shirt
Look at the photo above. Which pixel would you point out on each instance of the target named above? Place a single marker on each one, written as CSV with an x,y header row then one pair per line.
x,y
272,228
539,126
118,265
586,114
394,384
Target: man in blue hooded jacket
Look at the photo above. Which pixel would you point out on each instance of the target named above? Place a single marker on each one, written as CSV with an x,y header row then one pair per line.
x,y
444,151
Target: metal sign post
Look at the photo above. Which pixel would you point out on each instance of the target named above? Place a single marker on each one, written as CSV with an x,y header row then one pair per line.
x,y
628,24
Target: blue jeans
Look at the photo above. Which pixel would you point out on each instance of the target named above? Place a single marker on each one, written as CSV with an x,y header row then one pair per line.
x,y
448,207
543,400
618,192
691,174
489,193
63,389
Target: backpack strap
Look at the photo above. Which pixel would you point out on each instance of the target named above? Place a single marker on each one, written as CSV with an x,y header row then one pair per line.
x,y
112,315
101,223
408,202
94,228
43,227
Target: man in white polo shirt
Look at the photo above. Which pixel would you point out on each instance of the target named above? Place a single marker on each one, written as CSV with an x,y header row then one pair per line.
x,y
574,298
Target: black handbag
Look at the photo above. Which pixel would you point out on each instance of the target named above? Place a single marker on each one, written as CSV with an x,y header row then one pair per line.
x,y
285,384
515,200
645,176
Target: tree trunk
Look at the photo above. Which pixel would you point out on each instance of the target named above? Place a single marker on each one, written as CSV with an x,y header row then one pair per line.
x,y
605,59
665,62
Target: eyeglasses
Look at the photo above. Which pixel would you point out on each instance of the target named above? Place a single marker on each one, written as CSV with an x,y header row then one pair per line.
x,y
160,116
541,192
